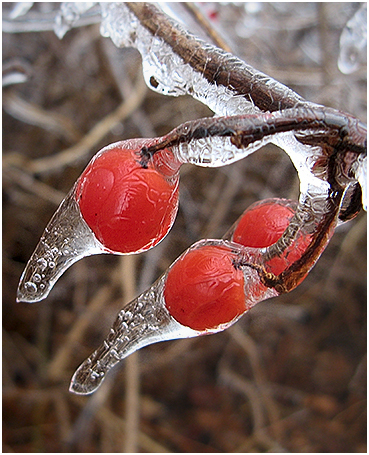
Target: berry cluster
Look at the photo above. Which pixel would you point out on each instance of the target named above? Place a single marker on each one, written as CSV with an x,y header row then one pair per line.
x,y
125,202
130,205
206,289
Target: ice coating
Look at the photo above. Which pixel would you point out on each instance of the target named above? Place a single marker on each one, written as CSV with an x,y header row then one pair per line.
x,y
168,73
221,141
146,320
143,321
313,190
129,206
66,239
68,15
353,42
230,87
215,151
177,63
164,71
310,136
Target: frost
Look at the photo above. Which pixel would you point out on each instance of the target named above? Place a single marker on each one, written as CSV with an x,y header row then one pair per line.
x,y
353,42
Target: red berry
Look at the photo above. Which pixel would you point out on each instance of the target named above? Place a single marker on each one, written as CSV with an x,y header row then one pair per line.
x,y
262,224
204,289
130,208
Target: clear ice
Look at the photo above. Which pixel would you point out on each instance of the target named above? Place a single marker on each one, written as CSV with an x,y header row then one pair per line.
x,y
146,320
66,239
68,15
141,322
172,76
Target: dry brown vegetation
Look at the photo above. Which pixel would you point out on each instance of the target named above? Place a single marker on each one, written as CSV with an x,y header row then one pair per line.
x,y
289,376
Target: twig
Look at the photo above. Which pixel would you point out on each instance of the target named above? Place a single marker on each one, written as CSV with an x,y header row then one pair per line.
x,y
146,442
132,395
25,180
251,392
221,205
34,115
217,66
61,358
63,414
205,24
249,346
82,148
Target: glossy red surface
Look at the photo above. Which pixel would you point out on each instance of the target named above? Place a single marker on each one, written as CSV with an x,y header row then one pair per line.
x,y
204,289
128,207
262,224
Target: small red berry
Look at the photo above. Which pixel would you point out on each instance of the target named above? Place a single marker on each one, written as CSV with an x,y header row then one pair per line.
x,y
129,207
262,224
204,289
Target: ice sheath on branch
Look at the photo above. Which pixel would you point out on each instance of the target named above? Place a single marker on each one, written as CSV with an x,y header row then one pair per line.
x,y
176,63
319,141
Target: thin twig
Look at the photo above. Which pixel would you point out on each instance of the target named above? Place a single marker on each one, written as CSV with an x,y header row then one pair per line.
x,y
146,442
128,266
26,180
96,134
206,25
76,333
34,115
251,392
249,346
217,66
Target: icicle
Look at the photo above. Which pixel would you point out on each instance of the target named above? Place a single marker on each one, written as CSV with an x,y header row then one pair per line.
x,y
124,200
66,239
147,320
143,321
68,15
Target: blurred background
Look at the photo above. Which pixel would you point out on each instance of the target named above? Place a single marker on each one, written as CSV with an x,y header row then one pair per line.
x,y
291,374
